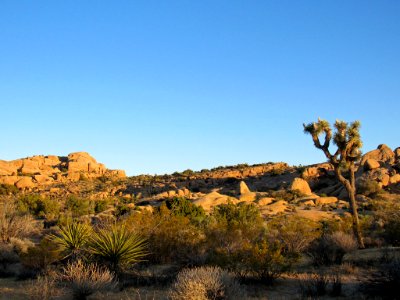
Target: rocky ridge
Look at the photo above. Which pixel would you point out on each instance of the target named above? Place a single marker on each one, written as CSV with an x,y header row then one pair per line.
x,y
40,170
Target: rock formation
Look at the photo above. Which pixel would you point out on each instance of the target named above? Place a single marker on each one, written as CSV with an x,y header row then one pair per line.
x,y
30,172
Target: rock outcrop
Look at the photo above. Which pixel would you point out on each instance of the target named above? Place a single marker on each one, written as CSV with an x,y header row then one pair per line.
x,y
300,185
31,172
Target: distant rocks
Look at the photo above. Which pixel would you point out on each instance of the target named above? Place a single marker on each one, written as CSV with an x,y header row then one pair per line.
x,y
31,172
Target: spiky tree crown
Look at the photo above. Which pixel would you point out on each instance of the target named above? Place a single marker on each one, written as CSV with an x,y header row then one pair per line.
x,y
346,138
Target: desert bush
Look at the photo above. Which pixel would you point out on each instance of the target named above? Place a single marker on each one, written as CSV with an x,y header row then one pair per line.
x,y
85,279
117,246
205,283
295,233
180,206
369,188
7,189
14,225
38,206
38,259
331,248
7,257
171,238
44,288
313,284
336,285
79,206
72,238
101,205
234,216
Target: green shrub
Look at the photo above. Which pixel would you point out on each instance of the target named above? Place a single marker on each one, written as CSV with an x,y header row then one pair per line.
x,y
295,233
7,189
39,206
180,206
369,188
100,205
79,206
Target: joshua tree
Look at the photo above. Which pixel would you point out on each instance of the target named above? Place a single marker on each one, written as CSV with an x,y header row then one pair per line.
x,y
348,142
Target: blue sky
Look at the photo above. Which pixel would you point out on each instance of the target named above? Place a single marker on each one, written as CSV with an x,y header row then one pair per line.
x,y
163,86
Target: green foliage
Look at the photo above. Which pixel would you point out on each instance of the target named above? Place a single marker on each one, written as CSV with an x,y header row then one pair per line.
x,y
295,233
369,188
72,238
117,246
7,189
79,206
239,215
180,206
100,205
38,206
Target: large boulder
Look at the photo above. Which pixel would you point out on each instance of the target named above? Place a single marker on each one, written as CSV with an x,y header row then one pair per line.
x,y
25,183
243,188
371,164
7,169
10,180
213,199
83,162
301,186
383,154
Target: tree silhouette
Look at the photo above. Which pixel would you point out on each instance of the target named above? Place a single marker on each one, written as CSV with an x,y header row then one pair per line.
x,y
348,141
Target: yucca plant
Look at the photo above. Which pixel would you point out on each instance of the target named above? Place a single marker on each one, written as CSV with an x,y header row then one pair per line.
x,y
117,246
73,238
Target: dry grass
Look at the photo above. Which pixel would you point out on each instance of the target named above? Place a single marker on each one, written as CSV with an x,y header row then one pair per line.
x,y
44,288
85,279
13,225
205,283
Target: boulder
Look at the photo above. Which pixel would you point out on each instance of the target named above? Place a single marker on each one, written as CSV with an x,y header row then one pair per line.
x,y
300,185
25,183
7,169
243,188
371,164
83,162
43,179
309,203
326,200
397,154
383,154
212,199
248,197
10,180
264,201
275,208
394,179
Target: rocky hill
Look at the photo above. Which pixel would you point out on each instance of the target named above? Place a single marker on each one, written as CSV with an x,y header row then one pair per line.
x,y
273,187
37,171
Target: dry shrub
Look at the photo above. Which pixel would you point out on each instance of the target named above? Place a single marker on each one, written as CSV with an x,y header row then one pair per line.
x,y
331,248
7,257
44,288
14,225
313,284
85,279
205,283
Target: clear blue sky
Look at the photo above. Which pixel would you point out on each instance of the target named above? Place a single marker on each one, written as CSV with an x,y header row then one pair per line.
x,y
162,86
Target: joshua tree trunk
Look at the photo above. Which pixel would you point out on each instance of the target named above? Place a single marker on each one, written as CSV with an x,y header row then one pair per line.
x,y
350,186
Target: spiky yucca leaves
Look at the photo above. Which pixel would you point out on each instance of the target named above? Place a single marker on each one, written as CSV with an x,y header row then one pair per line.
x,y
117,246
73,238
